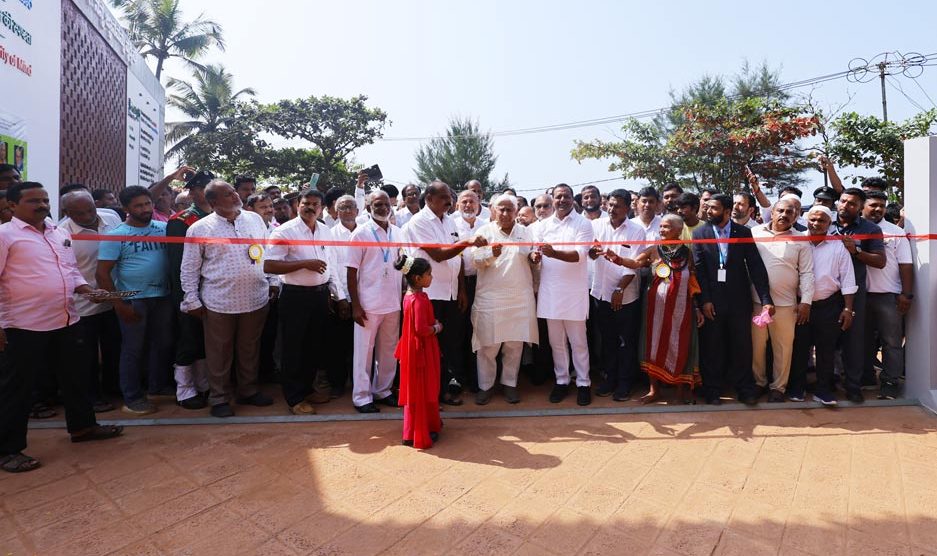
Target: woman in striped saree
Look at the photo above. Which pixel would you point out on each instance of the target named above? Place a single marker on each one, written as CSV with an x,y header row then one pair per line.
x,y
669,356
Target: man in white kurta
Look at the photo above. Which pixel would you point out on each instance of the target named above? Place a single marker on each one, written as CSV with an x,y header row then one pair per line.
x,y
375,290
503,315
563,296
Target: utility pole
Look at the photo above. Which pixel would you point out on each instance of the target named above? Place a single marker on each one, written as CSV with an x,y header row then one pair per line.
x,y
910,65
882,74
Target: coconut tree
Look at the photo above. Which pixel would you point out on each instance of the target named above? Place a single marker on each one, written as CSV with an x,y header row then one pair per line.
x,y
158,30
208,103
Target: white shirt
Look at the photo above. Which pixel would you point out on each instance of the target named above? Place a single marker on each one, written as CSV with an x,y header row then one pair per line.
x,y
467,231
426,227
651,231
341,233
297,229
607,274
897,251
832,270
86,254
223,277
564,287
402,216
484,213
379,283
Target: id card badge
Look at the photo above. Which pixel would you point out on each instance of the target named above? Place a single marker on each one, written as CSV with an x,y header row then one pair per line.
x,y
721,275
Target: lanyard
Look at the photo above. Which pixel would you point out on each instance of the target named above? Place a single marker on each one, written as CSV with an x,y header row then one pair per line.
x,y
390,233
723,247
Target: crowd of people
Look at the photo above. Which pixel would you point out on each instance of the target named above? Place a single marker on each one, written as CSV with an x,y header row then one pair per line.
x,y
703,292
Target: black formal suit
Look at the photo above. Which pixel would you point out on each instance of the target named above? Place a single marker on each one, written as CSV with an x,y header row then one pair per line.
x,y
726,342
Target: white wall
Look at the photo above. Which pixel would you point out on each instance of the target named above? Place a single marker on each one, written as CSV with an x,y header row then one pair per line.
x,y
920,178
33,99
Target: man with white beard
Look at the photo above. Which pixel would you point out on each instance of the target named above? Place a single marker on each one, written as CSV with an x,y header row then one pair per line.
x,y
467,223
375,289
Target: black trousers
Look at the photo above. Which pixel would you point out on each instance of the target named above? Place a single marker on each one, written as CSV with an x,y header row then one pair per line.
x,y
269,360
823,331
340,336
101,334
726,352
853,345
27,354
304,315
543,356
190,339
452,364
469,360
619,338
800,356
594,338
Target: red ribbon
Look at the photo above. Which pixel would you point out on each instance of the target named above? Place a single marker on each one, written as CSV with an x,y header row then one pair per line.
x,y
336,243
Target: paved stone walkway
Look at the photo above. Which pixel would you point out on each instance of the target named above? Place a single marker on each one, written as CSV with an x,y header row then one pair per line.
x,y
848,481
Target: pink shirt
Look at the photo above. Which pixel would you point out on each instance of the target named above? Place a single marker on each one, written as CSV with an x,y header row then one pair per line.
x,y
38,275
161,217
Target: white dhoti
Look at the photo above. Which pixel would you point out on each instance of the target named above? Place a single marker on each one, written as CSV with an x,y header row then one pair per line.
x,y
378,336
510,364
191,380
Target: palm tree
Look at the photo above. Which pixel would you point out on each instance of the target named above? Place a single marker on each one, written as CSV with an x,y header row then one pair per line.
x,y
157,29
208,103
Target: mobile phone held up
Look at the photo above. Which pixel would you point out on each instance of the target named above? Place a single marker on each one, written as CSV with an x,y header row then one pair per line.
x,y
374,173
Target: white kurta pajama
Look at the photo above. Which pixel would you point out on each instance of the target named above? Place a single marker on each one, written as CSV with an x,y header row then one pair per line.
x,y
503,314
563,296
379,293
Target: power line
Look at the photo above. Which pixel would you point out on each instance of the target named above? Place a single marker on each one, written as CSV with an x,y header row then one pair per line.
x,y
620,117
897,86
924,91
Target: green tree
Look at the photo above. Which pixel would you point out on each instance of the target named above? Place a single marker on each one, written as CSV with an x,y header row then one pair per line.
x,y
868,142
210,104
711,132
334,126
158,30
464,153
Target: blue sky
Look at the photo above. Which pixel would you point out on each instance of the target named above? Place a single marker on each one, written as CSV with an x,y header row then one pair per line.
x,y
520,64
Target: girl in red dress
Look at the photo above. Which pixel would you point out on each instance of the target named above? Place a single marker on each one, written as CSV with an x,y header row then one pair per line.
x,y
418,353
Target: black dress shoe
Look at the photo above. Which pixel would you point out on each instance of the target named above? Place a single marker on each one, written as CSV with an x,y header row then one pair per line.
x,y
855,397
195,402
713,400
749,399
258,399
389,401
584,395
367,408
434,436
604,391
222,410
559,393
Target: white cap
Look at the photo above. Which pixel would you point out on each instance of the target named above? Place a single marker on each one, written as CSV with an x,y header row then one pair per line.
x,y
821,208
